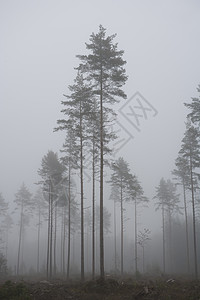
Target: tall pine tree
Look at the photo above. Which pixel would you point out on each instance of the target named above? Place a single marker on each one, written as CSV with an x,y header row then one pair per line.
x,y
104,69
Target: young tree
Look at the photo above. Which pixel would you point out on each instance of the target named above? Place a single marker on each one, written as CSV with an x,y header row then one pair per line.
x,y
143,237
104,68
24,202
120,180
190,151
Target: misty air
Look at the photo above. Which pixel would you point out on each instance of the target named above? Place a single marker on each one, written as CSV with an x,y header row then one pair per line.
x,y
100,150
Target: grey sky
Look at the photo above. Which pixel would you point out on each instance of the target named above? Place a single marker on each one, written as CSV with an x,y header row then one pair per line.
x,y
39,41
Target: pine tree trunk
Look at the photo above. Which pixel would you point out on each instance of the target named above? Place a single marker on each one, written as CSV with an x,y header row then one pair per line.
x,y
20,237
51,234
64,235
61,240
136,258
93,212
55,240
82,199
48,233
163,227
122,233
170,242
69,223
101,176
115,237
194,220
38,242
143,259
186,229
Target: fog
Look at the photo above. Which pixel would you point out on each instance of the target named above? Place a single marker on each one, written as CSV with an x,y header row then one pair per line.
x,y
39,44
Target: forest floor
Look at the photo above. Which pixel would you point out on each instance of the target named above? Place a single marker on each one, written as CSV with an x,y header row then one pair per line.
x,y
109,289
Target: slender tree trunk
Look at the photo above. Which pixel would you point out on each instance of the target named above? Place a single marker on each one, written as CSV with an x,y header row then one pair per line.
x,y
143,259
115,237
20,237
136,258
64,235
170,241
82,199
49,224
93,211
69,223
22,251
55,240
163,229
186,229
101,176
38,241
7,233
122,233
51,235
194,220
61,240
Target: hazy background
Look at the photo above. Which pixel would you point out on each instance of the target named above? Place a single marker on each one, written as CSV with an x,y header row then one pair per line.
x,y
38,44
